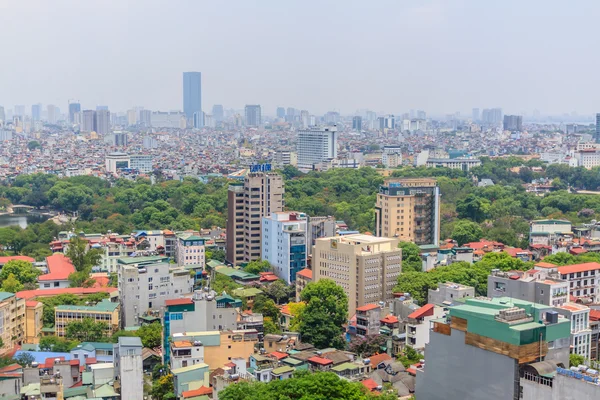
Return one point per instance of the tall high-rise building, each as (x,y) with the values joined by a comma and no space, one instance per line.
(131,117)
(2,114)
(74,109)
(102,124)
(597,133)
(280,112)
(285,243)
(475,115)
(316,145)
(192,96)
(36,112)
(513,123)
(290,114)
(146,118)
(261,194)
(52,114)
(492,116)
(252,115)
(19,111)
(357,123)
(304,119)
(409,209)
(365,266)
(88,120)
(218,113)
(100,108)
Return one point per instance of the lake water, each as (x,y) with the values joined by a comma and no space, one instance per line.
(21,220)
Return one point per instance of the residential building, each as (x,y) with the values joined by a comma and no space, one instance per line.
(418,325)
(36,112)
(320,227)
(391,157)
(145,119)
(583,279)
(366,267)
(168,119)
(409,209)
(480,348)
(513,123)
(368,319)
(128,369)
(141,162)
(315,146)
(261,194)
(284,243)
(285,157)
(464,164)
(218,113)
(102,122)
(553,381)
(12,321)
(252,115)
(131,117)
(189,249)
(538,286)
(34,312)
(280,112)
(116,161)
(547,232)
(588,158)
(74,110)
(597,132)
(94,351)
(303,278)
(357,123)
(88,119)
(146,283)
(59,268)
(192,96)
(105,311)
(447,293)
(581,333)
(192,376)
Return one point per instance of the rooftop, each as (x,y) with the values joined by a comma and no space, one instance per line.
(570,269)
(103,306)
(4,260)
(59,268)
(305,273)
(143,260)
(32,294)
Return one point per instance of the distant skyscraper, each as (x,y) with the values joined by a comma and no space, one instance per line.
(145,118)
(98,108)
(217,113)
(280,112)
(597,136)
(192,94)
(316,145)
(421,114)
(36,112)
(131,117)
(88,120)
(52,114)
(252,113)
(102,123)
(475,115)
(74,108)
(357,123)
(304,119)
(290,115)
(19,111)
(513,123)
(2,114)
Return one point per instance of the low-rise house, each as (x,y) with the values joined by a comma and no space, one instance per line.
(105,312)
(59,268)
(303,278)
(447,293)
(417,326)
(367,320)
(581,334)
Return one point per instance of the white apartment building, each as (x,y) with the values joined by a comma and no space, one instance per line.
(189,249)
(141,162)
(315,146)
(116,161)
(284,243)
(464,164)
(589,158)
(173,119)
(129,368)
(418,325)
(581,334)
(146,283)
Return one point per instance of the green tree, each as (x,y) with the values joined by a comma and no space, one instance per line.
(11,284)
(411,257)
(256,267)
(23,271)
(466,232)
(24,359)
(150,334)
(82,258)
(87,330)
(326,311)
(576,360)
(277,291)
(270,326)
(265,306)
(162,388)
(366,346)
(409,356)
(54,343)
(34,144)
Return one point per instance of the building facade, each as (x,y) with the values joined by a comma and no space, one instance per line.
(284,243)
(366,267)
(190,250)
(12,321)
(141,162)
(409,209)
(252,115)
(192,95)
(105,311)
(315,146)
(128,368)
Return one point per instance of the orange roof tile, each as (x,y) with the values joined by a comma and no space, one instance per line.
(179,302)
(201,391)
(370,384)
(305,273)
(379,358)
(4,260)
(320,360)
(278,355)
(182,343)
(390,319)
(368,307)
(425,311)
(543,264)
(569,269)
(59,268)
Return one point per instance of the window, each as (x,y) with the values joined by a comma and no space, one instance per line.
(176,316)
(56,284)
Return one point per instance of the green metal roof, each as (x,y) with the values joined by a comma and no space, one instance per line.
(347,366)
(249,292)
(98,345)
(236,273)
(552,221)
(103,306)
(283,370)
(292,361)
(6,295)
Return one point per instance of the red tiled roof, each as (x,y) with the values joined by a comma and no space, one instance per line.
(482,244)
(370,384)
(543,264)
(59,268)
(32,294)
(305,273)
(50,362)
(320,360)
(594,315)
(179,302)
(368,307)
(390,319)
(10,368)
(378,358)
(514,251)
(4,260)
(269,277)
(569,269)
(32,303)
(78,384)
(74,362)
(425,311)
(91,360)
(278,355)
(577,250)
(201,391)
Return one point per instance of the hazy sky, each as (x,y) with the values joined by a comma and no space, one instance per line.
(440,56)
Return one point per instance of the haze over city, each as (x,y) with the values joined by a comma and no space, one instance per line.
(388,56)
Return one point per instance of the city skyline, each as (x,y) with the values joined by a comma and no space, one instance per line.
(446,58)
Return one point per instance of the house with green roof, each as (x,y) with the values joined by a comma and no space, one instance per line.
(105,312)
(190,378)
(238,275)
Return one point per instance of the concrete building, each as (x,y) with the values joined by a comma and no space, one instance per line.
(368,319)
(418,325)
(538,286)
(392,156)
(597,132)
(34,312)
(357,123)
(513,123)
(553,381)
(12,321)
(131,117)
(189,249)
(105,311)
(88,119)
(447,293)
(261,194)
(409,209)
(128,368)
(320,227)
(192,97)
(252,115)
(145,118)
(547,231)
(303,278)
(141,163)
(146,283)
(315,146)
(581,333)
(285,157)
(479,352)
(366,267)
(74,110)
(464,164)
(102,123)
(171,119)
(284,243)
(116,161)
(59,268)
